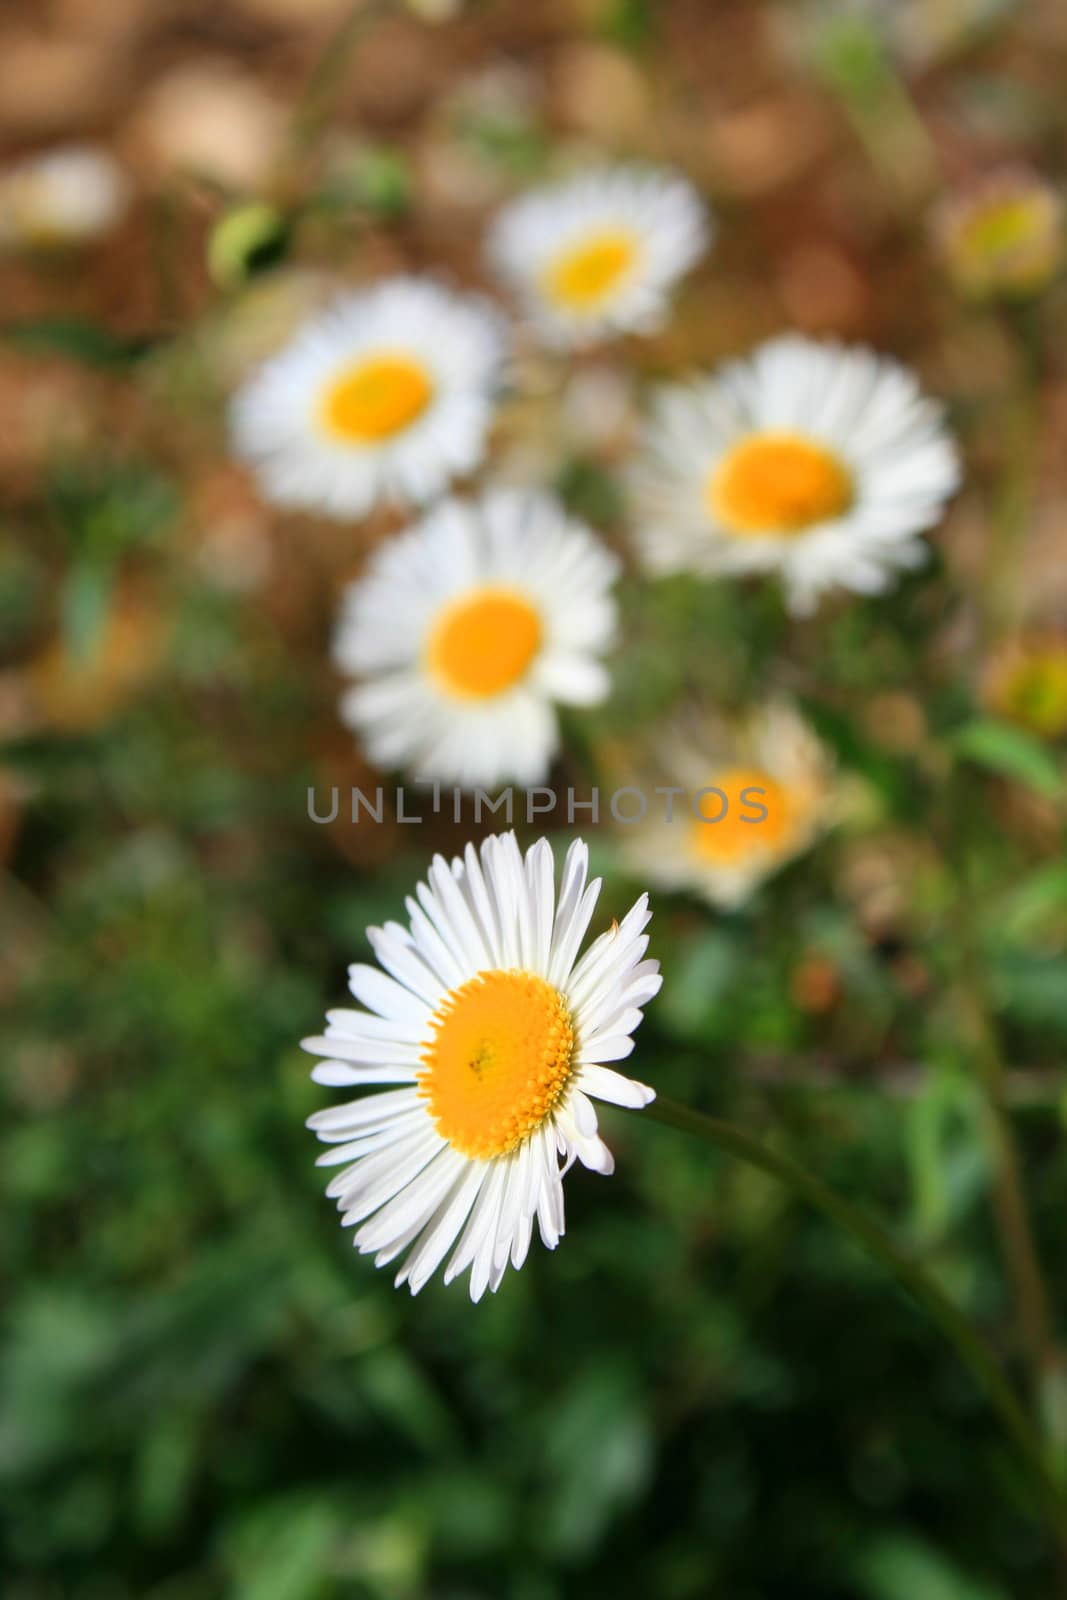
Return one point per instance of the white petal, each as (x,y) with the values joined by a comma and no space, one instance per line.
(383,995)
(617,1090)
(441,1230)
(372,1109)
(339,1075)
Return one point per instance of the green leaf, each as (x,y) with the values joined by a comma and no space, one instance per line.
(851,56)
(899,1567)
(84,607)
(166,1464)
(600,1454)
(706,970)
(589,491)
(945,1153)
(282,1549)
(108,507)
(628,23)
(86,342)
(1028,986)
(1011,753)
(405,1399)
(1039,901)
(377,178)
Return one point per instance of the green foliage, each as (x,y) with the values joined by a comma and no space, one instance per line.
(86,342)
(899,1568)
(214,1396)
(629,23)
(108,509)
(1007,750)
(851,55)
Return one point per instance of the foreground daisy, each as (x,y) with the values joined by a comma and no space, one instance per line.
(754,795)
(385,396)
(467,629)
(63,197)
(816,461)
(599,254)
(497,1037)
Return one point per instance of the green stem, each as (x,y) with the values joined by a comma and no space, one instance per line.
(1015,492)
(858,66)
(911,1277)
(1009,1202)
(981,1034)
(326,79)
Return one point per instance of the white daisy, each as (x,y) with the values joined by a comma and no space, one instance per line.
(66,196)
(467,629)
(1003,234)
(755,793)
(385,396)
(819,462)
(598,254)
(498,1038)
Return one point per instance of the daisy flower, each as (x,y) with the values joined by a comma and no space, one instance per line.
(66,196)
(598,254)
(755,794)
(816,461)
(465,632)
(1004,235)
(1026,681)
(385,396)
(498,1038)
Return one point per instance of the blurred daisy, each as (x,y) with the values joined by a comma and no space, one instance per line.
(598,255)
(498,1037)
(465,631)
(755,795)
(1003,236)
(385,396)
(821,463)
(1026,680)
(63,197)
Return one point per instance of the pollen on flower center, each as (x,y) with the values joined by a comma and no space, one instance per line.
(749,815)
(484,643)
(376,398)
(499,1059)
(774,483)
(584,276)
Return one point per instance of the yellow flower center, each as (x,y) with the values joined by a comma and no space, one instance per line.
(775,483)
(752,819)
(1002,226)
(1036,692)
(376,398)
(484,643)
(583,277)
(500,1058)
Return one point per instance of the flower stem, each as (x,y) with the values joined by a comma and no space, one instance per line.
(1014,494)
(980,1033)
(912,1278)
(325,81)
(1009,1203)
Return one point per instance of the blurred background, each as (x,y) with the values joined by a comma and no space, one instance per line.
(705,1392)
